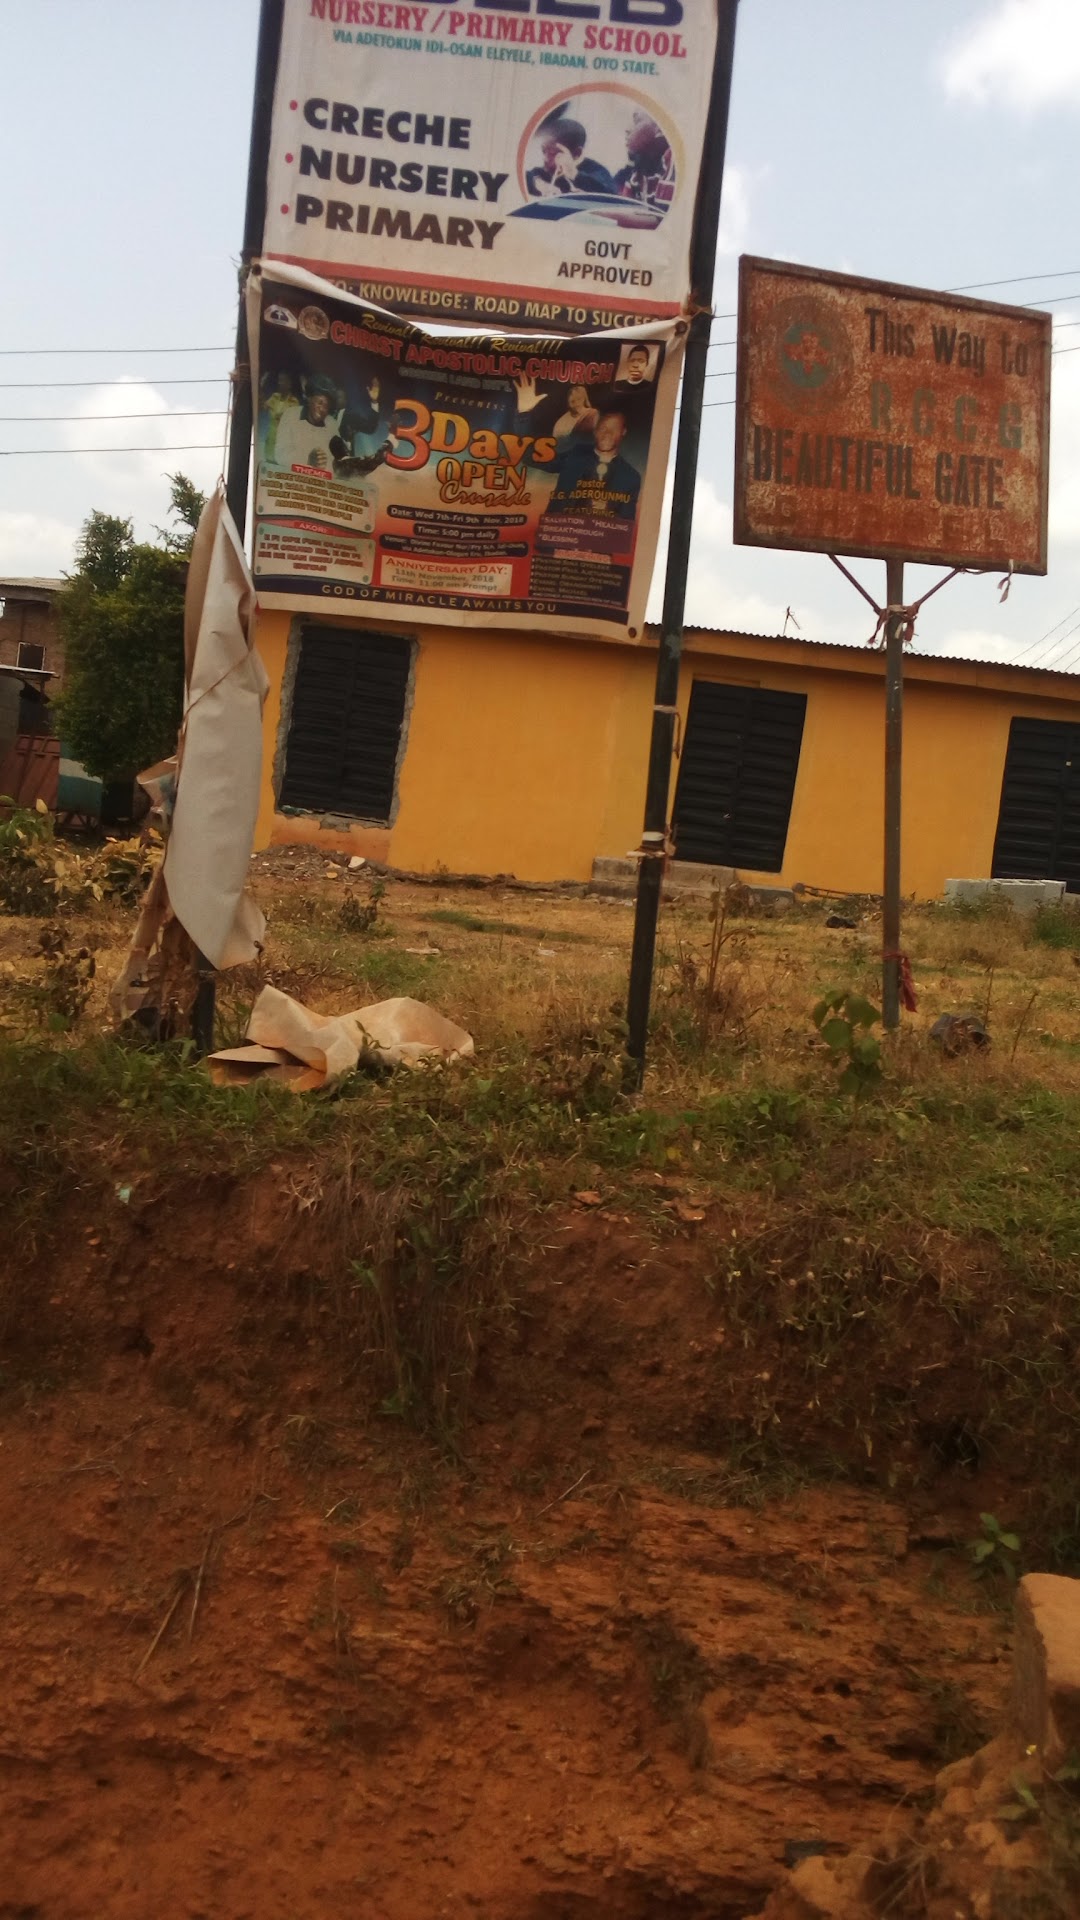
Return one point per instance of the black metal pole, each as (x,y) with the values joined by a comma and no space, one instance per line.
(702,268)
(894,730)
(242,407)
(242,416)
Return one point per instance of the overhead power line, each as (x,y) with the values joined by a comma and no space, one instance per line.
(1035,647)
(91,419)
(1064,661)
(1017,279)
(974,286)
(93,352)
(202,380)
(194,446)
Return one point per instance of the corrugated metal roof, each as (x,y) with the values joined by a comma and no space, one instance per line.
(842,646)
(30,583)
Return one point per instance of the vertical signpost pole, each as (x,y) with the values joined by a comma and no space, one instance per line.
(271,14)
(241,414)
(894,732)
(702,268)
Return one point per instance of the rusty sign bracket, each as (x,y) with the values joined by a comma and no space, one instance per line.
(906,614)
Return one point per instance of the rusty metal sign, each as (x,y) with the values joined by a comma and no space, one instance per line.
(875,419)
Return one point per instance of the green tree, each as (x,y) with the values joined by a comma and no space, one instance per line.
(122,618)
(103,550)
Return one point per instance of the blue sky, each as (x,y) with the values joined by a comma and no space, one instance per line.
(935,142)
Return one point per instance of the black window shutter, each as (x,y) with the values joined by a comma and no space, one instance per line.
(348,708)
(1038,832)
(737,775)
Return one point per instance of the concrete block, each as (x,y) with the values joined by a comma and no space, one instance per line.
(613,879)
(694,880)
(1046,1666)
(1024,896)
(684,880)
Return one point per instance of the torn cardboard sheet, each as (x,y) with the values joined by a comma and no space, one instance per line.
(305,1049)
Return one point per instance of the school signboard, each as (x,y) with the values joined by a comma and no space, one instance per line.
(531,164)
(879,420)
(475,478)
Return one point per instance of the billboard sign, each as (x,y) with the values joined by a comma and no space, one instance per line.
(875,419)
(479,479)
(531,164)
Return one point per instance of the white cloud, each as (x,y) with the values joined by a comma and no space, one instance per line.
(714,596)
(136,483)
(734,210)
(33,543)
(1020,53)
(971,643)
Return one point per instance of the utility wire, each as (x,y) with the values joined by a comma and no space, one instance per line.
(195,446)
(136,380)
(94,351)
(974,286)
(91,419)
(1033,644)
(1064,662)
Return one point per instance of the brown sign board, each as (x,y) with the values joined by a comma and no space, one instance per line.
(878,420)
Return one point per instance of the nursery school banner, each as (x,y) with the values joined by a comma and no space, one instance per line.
(502,479)
(532,163)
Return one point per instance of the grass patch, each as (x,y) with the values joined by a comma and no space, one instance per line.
(1057,927)
(884,1275)
(475,923)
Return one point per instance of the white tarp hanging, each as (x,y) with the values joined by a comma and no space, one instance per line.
(212,786)
(220,751)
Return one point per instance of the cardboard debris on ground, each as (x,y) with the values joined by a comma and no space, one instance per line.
(304,1049)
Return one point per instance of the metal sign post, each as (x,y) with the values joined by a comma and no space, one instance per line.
(894,740)
(241,411)
(653,849)
(893,423)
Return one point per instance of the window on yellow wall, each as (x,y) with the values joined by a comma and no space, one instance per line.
(737,775)
(346,723)
(1038,831)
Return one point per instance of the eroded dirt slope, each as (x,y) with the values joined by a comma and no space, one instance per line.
(532,1681)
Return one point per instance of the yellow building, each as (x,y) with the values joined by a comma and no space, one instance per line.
(423,746)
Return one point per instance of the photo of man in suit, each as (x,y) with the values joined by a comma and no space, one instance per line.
(593,476)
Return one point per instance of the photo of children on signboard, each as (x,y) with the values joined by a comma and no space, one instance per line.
(599,152)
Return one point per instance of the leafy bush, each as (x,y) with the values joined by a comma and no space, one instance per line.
(125,868)
(67,977)
(844,1021)
(359,911)
(37,874)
